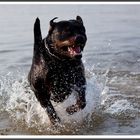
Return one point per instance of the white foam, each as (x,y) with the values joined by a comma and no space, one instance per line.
(120,106)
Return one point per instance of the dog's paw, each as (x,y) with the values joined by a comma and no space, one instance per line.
(55,121)
(72,109)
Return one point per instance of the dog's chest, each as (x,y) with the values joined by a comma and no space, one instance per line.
(62,79)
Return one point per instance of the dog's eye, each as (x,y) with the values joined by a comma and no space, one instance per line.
(66,32)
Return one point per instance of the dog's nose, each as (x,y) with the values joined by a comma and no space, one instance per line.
(79,39)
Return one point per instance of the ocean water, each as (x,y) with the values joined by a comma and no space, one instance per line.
(112,65)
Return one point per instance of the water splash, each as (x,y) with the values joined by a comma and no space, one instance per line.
(103,99)
(20,102)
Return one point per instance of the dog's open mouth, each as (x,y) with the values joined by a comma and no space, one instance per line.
(72,50)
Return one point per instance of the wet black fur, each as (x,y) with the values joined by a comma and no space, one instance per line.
(54,77)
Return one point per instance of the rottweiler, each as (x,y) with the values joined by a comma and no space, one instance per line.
(57,69)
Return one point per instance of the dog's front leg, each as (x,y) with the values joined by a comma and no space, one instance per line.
(52,113)
(80,103)
(47,105)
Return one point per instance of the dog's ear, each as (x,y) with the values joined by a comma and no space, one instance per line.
(52,24)
(79,19)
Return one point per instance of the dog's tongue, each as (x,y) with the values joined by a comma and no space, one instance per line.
(75,50)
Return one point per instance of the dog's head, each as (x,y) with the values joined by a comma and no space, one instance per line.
(66,39)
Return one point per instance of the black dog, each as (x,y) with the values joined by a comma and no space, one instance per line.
(57,68)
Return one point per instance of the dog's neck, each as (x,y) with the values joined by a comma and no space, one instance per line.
(48,50)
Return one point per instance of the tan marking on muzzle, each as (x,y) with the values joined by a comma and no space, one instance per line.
(63,43)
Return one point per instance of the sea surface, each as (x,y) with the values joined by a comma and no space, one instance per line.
(112,65)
